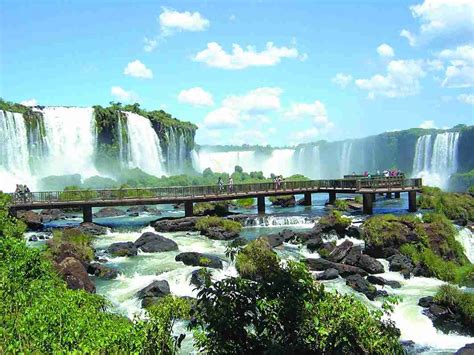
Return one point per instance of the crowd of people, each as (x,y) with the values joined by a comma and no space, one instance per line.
(385,173)
(278,182)
(22,193)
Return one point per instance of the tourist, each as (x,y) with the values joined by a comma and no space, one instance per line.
(231,184)
(220,184)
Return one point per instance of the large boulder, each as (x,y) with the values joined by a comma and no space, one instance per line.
(370,264)
(199,259)
(377,280)
(53,214)
(175,224)
(401,263)
(198,277)
(283,201)
(109,212)
(275,240)
(153,292)
(333,222)
(143,209)
(102,271)
(91,228)
(340,251)
(426,301)
(380,252)
(361,285)
(122,249)
(219,233)
(31,219)
(467,349)
(75,275)
(344,270)
(152,243)
(328,274)
(219,209)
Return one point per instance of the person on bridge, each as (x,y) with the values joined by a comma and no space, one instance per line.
(220,184)
(231,184)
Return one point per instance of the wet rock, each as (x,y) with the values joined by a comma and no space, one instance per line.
(219,209)
(358,283)
(134,214)
(354,232)
(439,311)
(153,292)
(275,240)
(463,222)
(380,252)
(422,270)
(369,264)
(467,349)
(283,201)
(109,212)
(90,228)
(122,249)
(31,219)
(75,275)
(175,224)
(343,269)
(328,274)
(326,248)
(330,223)
(425,302)
(199,259)
(198,277)
(353,256)
(377,280)
(152,243)
(53,214)
(219,233)
(401,263)
(33,238)
(136,210)
(102,271)
(314,244)
(340,251)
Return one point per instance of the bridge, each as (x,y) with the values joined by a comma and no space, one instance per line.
(87,199)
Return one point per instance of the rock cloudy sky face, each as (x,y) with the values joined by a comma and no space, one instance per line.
(256,72)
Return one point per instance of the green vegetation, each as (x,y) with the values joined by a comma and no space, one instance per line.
(72,241)
(342,205)
(358,199)
(461,181)
(471,190)
(59,182)
(218,208)
(9,227)
(277,199)
(285,311)
(458,301)
(204,223)
(245,202)
(452,205)
(335,217)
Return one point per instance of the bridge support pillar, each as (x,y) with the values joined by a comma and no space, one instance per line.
(332,197)
(397,194)
(388,195)
(368,203)
(374,197)
(261,204)
(307,199)
(188,208)
(87,214)
(412,201)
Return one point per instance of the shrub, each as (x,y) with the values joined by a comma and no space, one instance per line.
(342,205)
(245,202)
(358,199)
(256,259)
(204,223)
(452,205)
(73,242)
(457,301)
(335,217)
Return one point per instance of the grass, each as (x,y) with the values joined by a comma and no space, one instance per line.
(256,259)
(76,243)
(452,205)
(245,202)
(458,301)
(204,223)
(335,217)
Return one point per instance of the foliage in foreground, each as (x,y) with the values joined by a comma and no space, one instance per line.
(452,205)
(457,301)
(286,311)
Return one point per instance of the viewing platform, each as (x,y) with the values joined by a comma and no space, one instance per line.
(87,199)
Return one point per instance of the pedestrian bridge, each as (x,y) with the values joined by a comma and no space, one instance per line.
(86,199)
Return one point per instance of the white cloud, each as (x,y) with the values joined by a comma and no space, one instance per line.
(138,70)
(172,20)
(316,111)
(402,79)
(196,96)
(441,17)
(29,103)
(342,79)
(384,50)
(434,65)
(215,56)
(222,117)
(150,44)
(255,101)
(305,135)
(466,98)
(460,70)
(427,124)
(122,94)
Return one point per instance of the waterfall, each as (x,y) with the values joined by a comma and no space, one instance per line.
(278,221)
(436,160)
(307,161)
(176,154)
(144,145)
(466,239)
(345,159)
(225,162)
(124,152)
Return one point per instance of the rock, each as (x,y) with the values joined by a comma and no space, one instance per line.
(197,278)
(54,214)
(352,258)
(380,252)
(219,233)
(90,228)
(358,283)
(439,311)
(283,201)
(109,212)
(425,302)
(136,210)
(377,280)
(381,293)
(340,251)
(102,271)
(370,264)
(331,222)
(353,205)
(422,270)
(467,349)
(463,222)
(275,239)
(31,219)
(122,249)
(328,274)
(33,238)
(153,292)
(75,275)
(326,248)
(152,243)
(199,259)
(314,243)
(175,224)
(343,269)
(354,232)
(134,214)
(401,263)
(66,249)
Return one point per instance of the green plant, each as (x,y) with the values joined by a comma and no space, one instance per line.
(457,301)
(70,242)
(256,260)
(342,205)
(204,223)
(245,202)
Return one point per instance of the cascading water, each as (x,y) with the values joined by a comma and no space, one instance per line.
(225,161)
(345,159)
(278,221)
(144,145)
(176,154)
(436,160)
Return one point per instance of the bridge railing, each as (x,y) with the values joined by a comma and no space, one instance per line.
(388,183)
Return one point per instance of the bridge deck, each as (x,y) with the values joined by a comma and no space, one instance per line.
(164,195)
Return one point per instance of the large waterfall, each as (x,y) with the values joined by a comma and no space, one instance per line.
(176,155)
(435,160)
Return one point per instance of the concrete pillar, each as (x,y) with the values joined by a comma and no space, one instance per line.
(87,214)
(388,195)
(374,197)
(332,197)
(261,204)
(412,201)
(397,194)
(368,203)
(188,208)
(307,199)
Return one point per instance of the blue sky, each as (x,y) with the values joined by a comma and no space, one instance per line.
(257,72)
